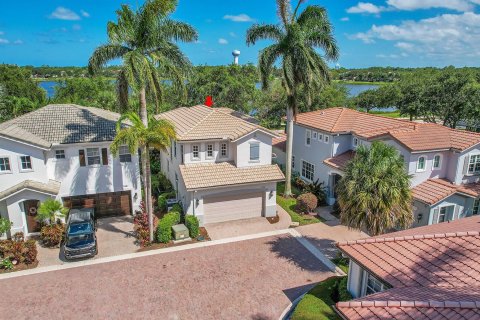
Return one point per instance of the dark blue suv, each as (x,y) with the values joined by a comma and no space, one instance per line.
(80,238)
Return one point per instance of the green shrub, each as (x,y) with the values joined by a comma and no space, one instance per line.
(165,184)
(318,189)
(162,203)
(177,208)
(5,226)
(343,293)
(6,264)
(164,228)
(192,224)
(30,253)
(52,235)
(307,202)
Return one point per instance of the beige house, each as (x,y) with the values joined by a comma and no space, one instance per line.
(221,165)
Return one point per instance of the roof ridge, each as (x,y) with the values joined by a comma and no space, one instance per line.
(338,119)
(410,304)
(202,120)
(407,238)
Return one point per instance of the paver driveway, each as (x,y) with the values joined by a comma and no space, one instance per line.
(252,279)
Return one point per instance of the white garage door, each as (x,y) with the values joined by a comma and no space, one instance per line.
(232,207)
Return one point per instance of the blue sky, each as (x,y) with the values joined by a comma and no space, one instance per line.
(406,33)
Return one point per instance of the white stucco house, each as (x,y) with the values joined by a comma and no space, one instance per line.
(444,163)
(62,152)
(221,165)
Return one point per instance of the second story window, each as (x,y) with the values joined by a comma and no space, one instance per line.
(59,154)
(224,150)
(326,139)
(25,163)
(254,151)
(474,164)
(308,170)
(373,285)
(196,152)
(437,161)
(124,154)
(308,137)
(421,163)
(209,150)
(93,156)
(5,165)
(476,207)
(355,142)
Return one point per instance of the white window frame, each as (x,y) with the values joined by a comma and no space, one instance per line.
(197,158)
(320,136)
(355,142)
(375,281)
(99,156)
(250,156)
(476,207)
(308,137)
(207,156)
(477,162)
(440,158)
(124,154)
(9,164)
(446,213)
(314,135)
(60,152)
(326,138)
(222,149)
(304,170)
(424,164)
(20,163)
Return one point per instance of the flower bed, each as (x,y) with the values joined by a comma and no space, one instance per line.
(17,254)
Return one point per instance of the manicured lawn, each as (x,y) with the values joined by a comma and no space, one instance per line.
(317,303)
(392,114)
(289,204)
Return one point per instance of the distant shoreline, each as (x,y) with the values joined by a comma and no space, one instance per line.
(373,83)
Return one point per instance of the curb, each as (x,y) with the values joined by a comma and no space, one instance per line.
(291,307)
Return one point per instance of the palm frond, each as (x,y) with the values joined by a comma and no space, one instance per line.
(284,11)
(177,31)
(104,54)
(264,32)
(266,61)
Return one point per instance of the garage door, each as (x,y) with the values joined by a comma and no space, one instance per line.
(232,207)
(105,204)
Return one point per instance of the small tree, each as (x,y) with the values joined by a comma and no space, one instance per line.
(5,226)
(375,191)
(50,210)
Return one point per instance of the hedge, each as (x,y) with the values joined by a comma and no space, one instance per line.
(192,224)
(162,203)
(164,227)
(177,208)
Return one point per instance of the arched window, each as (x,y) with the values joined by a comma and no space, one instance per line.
(437,162)
(421,163)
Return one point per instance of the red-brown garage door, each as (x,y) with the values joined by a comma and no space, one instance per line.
(105,204)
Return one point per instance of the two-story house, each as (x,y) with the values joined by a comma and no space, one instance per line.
(444,163)
(62,152)
(221,165)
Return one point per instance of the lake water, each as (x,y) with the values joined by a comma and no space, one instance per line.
(353,89)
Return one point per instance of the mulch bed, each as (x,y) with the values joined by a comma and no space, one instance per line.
(273,220)
(203,233)
(20,267)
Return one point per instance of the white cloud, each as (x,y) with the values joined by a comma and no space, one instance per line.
(85,13)
(345,19)
(366,7)
(452,35)
(63,13)
(18,42)
(410,5)
(222,41)
(239,18)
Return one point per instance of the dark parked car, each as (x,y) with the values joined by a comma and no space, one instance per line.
(80,238)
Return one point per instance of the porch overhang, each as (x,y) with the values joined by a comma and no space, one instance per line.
(52,188)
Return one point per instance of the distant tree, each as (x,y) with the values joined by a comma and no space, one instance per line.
(91,92)
(374,194)
(295,41)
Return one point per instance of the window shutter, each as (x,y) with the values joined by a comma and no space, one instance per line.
(81,157)
(435,215)
(465,164)
(104,156)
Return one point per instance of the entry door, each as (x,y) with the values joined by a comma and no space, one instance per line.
(31,207)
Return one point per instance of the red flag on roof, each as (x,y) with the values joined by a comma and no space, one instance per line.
(209,101)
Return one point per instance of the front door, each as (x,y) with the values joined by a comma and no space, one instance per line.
(31,207)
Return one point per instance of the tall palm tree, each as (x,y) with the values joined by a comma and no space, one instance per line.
(295,39)
(145,41)
(157,134)
(374,194)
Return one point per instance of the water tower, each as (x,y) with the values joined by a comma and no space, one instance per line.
(235,54)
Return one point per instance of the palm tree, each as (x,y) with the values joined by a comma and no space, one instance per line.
(145,41)
(157,134)
(303,69)
(374,194)
(50,210)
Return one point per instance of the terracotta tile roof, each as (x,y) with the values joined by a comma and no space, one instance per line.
(52,187)
(238,114)
(431,274)
(207,175)
(432,191)
(414,136)
(204,123)
(280,142)
(62,124)
(340,162)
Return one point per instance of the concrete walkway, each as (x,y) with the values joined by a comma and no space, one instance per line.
(114,237)
(223,230)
